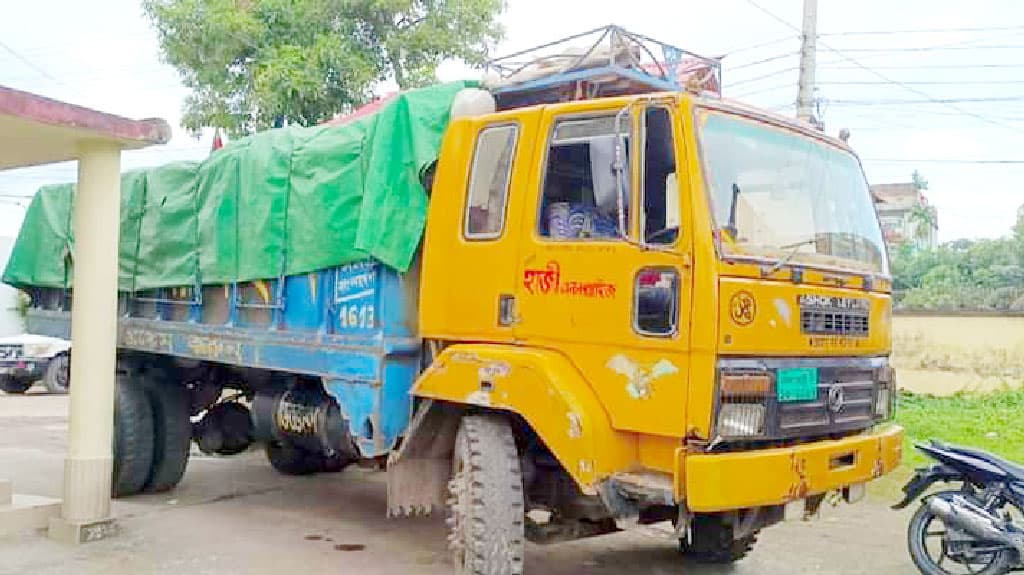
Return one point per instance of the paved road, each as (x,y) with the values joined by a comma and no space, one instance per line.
(237,516)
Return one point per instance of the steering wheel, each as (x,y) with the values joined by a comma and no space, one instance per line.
(662,232)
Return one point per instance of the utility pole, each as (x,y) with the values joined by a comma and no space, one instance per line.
(808,49)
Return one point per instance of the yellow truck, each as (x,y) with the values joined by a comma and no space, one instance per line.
(635,302)
(657,307)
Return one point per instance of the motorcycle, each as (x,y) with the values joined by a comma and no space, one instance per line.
(977,529)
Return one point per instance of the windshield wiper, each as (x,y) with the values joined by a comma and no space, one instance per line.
(731,225)
(795,247)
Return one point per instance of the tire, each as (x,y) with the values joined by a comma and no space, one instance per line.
(291,460)
(916,535)
(172,430)
(14,385)
(486,510)
(711,541)
(335,463)
(57,378)
(133,438)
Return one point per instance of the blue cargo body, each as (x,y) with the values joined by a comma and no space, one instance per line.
(353,326)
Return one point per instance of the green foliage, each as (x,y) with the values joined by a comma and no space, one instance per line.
(1018,228)
(988,421)
(961,275)
(253,64)
(21,304)
(925,218)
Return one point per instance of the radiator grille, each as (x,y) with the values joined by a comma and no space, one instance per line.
(845,401)
(10,351)
(853,323)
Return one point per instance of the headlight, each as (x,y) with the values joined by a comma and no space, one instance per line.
(882,402)
(885,398)
(743,397)
(37,350)
(741,420)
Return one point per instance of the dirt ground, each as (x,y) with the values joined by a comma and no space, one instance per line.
(237,516)
(945,354)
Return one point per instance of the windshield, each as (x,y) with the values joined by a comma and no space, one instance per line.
(780,195)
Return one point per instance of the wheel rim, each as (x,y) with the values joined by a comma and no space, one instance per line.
(945,555)
(63,372)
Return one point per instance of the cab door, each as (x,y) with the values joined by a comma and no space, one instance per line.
(604,267)
(471,239)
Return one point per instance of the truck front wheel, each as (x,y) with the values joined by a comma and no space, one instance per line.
(711,540)
(486,508)
(11,384)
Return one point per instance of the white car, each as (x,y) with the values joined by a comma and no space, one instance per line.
(27,358)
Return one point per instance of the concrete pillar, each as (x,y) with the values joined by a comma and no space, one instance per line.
(87,470)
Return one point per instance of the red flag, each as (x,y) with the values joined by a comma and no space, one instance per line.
(217,142)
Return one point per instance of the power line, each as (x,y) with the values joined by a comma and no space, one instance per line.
(961,43)
(762,76)
(896,110)
(749,47)
(764,61)
(924,31)
(939,161)
(944,101)
(934,48)
(762,90)
(924,83)
(30,64)
(929,67)
(888,79)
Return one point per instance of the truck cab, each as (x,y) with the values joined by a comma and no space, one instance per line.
(670,294)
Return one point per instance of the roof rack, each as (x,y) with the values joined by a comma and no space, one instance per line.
(606,61)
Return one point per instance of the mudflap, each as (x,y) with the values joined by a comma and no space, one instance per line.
(923,478)
(418,471)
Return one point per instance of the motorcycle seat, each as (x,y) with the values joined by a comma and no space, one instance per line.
(1014,470)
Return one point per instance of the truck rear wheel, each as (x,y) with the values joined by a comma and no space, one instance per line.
(172,430)
(486,508)
(711,541)
(14,385)
(58,375)
(133,438)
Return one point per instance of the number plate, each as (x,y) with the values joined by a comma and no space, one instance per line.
(797,384)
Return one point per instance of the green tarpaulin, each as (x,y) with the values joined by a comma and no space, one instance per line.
(286,201)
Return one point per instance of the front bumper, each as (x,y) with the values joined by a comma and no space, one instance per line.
(757,478)
(23,368)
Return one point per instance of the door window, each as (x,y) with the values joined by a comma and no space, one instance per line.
(660,219)
(582,179)
(656,303)
(489,181)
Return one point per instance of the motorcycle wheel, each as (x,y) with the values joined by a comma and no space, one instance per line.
(926,541)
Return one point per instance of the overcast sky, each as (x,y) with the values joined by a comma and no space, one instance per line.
(103,54)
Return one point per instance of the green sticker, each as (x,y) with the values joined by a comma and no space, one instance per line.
(797,384)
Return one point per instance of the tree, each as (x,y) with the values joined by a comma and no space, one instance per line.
(924,219)
(254,64)
(413,36)
(1018,228)
(919,182)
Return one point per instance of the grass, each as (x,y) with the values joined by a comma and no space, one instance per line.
(990,421)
